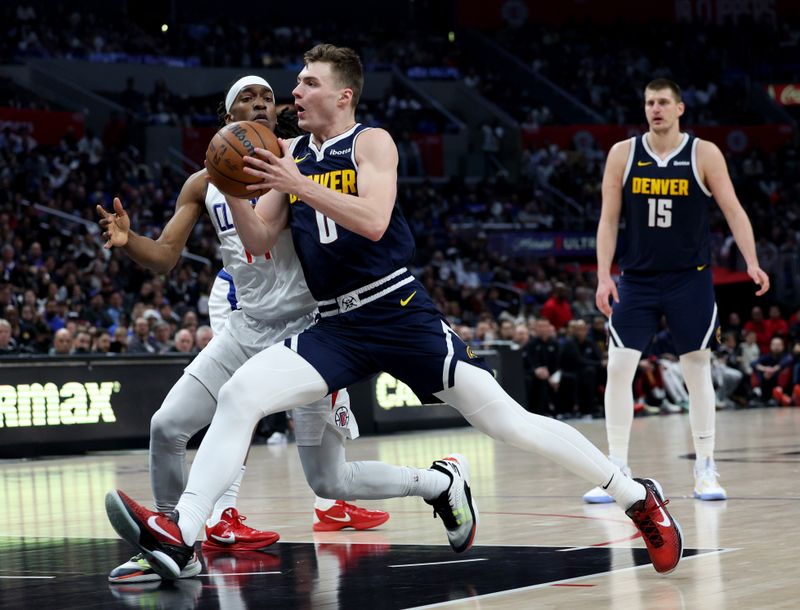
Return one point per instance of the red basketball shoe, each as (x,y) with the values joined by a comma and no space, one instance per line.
(780,396)
(231,534)
(662,534)
(796,395)
(156,534)
(342,515)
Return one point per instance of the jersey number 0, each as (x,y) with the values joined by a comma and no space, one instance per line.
(327,229)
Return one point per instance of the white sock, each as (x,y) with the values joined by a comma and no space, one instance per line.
(696,368)
(427,483)
(323,504)
(192,510)
(227,500)
(622,364)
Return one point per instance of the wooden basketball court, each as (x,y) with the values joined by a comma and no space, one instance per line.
(538,545)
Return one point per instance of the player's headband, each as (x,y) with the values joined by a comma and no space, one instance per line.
(240,84)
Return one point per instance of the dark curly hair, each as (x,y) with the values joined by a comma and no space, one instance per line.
(286,126)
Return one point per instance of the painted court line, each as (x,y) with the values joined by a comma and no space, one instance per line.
(437,563)
(26,577)
(237,574)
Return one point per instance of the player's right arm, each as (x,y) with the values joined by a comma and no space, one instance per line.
(609,224)
(258,227)
(162,254)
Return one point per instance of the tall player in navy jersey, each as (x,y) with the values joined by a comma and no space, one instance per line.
(663,184)
(337,187)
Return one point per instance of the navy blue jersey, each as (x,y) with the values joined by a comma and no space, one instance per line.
(335,260)
(666,208)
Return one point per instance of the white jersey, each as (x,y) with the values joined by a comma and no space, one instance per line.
(268,286)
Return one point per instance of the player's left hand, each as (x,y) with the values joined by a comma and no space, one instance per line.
(279,173)
(759,277)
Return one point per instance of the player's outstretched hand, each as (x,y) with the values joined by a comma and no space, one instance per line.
(115,226)
(760,278)
(606,288)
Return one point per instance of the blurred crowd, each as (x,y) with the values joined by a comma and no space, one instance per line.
(62,293)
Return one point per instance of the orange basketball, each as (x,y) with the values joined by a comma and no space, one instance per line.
(224,156)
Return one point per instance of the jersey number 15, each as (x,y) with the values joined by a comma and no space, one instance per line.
(659,213)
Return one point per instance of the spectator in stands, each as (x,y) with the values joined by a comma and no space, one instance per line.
(522,336)
(769,369)
(409,162)
(203,336)
(758,325)
(584,306)
(184,343)
(142,342)
(733,325)
(162,334)
(82,343)
(749,352)
(120,343)
(62,343)
(90,147)
(579,363)
(541,363)
(97,313)
(102,343)
(725,370)
(776,325)
(8,345)
(557,308)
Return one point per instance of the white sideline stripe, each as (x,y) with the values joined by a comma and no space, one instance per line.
(28,577)
(437,563)
(479,598)
(236,574)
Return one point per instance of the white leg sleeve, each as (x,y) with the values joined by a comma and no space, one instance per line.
(187,408)
(485,405)
(274,380)
(702,401)
(622,364)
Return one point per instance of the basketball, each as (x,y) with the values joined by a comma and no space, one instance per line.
(224,156)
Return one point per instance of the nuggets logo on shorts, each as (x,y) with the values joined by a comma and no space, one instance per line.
(342,417)
(718,334)
(470,353)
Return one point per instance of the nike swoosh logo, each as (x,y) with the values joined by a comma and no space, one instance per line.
(301,159)
(644,163)
(701,267)
(404,302)
(344,519)
(152,523)
(231,538)
(666,522)
(609,482)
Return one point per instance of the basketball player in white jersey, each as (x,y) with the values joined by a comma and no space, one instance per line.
(271,302)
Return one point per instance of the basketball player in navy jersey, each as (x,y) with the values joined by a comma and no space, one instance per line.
(336,188)
(271,290)
(663,184)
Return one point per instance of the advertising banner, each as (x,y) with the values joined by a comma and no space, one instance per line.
(51,405)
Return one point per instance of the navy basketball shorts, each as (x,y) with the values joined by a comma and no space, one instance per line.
(685,298)
(401,333)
